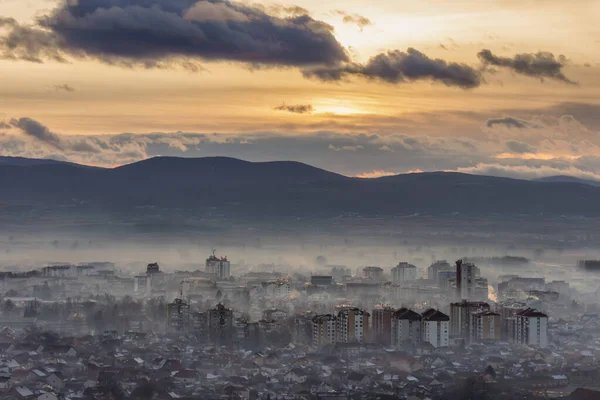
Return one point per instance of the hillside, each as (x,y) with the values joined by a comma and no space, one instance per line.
(237,188)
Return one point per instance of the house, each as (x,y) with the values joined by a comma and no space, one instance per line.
(358,380)
(56,382)
(47,396)
(295,375)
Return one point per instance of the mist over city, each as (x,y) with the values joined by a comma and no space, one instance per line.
(299,200)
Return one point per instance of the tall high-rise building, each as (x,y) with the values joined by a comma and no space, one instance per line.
(220,325)
(383,319)
(220,267)
(531,328)
(407,327)
(352,325)
(485,326)
(323,330)
(460,317)
(178,315)
(465,280)
(198,322)
(404,273)
(439,266)
(303,328)
(435,328)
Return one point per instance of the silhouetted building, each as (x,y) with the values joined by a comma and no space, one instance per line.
(220,324)
(220,267)
(178,314)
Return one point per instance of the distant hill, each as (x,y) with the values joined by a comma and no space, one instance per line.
(22,161)
(568,179)
(233,188)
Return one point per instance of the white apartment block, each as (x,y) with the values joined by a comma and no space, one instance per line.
(531,328)
(404,273)
(435,328)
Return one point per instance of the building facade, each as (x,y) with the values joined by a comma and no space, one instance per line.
(435,328)
(352,326)
(404,273)
(531,328)
(219,267)
(407,327)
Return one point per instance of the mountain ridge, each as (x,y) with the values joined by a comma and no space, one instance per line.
(236,188)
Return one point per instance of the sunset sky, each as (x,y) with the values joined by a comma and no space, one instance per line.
(363,88)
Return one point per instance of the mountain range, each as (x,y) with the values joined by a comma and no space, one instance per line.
(233,188)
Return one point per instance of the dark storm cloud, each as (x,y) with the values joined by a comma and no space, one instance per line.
(297,108)
(356,19)
(540,65)
(36,130)
(397,66)
(520,147)
(510,122)
(154,32)
(41,133)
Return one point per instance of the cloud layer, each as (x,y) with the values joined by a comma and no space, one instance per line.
(539,145)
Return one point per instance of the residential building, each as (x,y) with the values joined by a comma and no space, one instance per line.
(465,280)
(485,326)
(220,324)
(303,328)
(352,325)
(435,328)
(373,273)
(404,273)
(178,315)
(323,330)
(531,328)
(407,327)
(198,323)
(460,317)
(437,267)
(219,267)
(383,319)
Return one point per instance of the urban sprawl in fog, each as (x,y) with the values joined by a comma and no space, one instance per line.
(231,331)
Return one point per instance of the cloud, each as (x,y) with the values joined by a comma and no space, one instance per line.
(538,65)
(356,19)
(346,148)
(520,147)
(375,174)
(397,67)
(85,149)
(510,122)
(4,125)
(159,33)
(527,172)
(297,108)
(34,129)
(65,88)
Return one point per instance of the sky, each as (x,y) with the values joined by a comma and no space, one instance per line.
(363,88)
